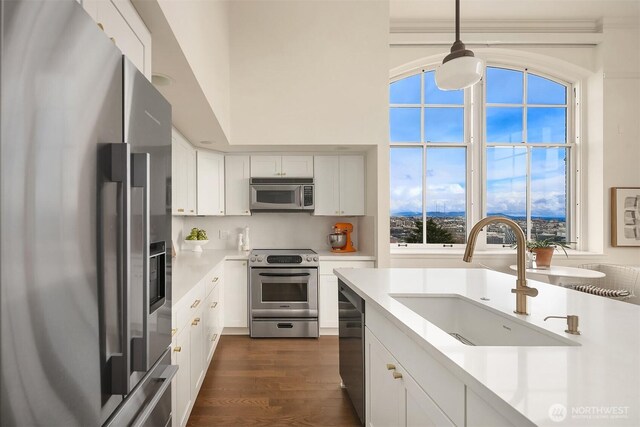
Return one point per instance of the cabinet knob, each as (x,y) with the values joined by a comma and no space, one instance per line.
(221,211)
(397,375)
(214,337)
(246,211)
(173,331)
(283,173)
(215,279)
(190,210)
(195,303)
(181,210)
(177,349)
(342,212)
(391,367)
(195,321)
(337,212)
(101,26)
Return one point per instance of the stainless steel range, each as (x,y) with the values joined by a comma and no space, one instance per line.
(283,293)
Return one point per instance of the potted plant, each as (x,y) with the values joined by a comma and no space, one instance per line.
(544,248)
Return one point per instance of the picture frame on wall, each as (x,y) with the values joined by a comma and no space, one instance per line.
(625,216)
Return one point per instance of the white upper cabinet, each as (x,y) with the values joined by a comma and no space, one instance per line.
(237,174)
(266,166)
(339,185)
(183,172)
(210,183)
(282,166)
(122,24)
(297,166)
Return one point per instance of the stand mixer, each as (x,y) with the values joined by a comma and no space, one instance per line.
(340,239)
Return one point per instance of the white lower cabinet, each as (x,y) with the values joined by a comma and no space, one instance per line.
(235,294)
(393,396)
(182,380)
(197,324)
(328,301)
(328,293)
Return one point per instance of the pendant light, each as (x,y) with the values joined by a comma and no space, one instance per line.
(460,69)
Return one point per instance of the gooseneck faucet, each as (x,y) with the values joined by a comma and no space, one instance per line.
(521,290)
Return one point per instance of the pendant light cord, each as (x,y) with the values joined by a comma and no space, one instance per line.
(457,20)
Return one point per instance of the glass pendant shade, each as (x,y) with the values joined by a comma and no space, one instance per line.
(460,69)
(459,73)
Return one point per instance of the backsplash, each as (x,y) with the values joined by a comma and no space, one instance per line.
(267,230)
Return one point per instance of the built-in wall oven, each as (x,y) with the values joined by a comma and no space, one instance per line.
(283,294)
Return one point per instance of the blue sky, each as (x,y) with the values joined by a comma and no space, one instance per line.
(506,167)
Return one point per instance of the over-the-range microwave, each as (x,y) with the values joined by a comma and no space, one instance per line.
(281,194)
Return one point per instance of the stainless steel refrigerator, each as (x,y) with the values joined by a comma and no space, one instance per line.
(85,226)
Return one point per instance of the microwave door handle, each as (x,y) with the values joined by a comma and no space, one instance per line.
(140,179)
(300,198)
(119,171)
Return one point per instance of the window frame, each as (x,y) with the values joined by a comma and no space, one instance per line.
(423,145)
(474,107)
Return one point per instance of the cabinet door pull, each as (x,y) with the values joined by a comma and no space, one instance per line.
(391,367)
(215,337)
(177,349)
(181,210)
(195,303)
(195,321)
(214,305)
(397,375)
(173,331)
(215,279)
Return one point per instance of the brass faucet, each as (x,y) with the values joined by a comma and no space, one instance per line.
(521,290)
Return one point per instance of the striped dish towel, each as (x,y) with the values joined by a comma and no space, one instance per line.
(603,292)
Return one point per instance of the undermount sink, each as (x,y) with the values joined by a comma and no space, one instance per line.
(473,323)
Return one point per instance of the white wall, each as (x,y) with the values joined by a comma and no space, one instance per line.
(309,72)
(611,131)
(269,230)
(202,31)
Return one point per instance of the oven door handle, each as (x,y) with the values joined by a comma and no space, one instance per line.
(284,274)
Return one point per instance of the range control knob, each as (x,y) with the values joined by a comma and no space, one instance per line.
(253,259)
(308,258)
(315,258)
(260,259)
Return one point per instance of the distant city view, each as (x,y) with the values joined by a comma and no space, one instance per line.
(450,227)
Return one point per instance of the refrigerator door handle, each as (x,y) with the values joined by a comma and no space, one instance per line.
(165,378)
(119,172)
(140,178)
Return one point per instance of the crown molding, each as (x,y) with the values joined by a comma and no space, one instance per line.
(498,26)
(497,39)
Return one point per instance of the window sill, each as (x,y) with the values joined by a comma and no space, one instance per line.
(479,253)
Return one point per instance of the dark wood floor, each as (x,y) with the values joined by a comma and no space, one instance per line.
(273,382)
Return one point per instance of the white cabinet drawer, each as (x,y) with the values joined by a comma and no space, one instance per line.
(214,279)
(189,304)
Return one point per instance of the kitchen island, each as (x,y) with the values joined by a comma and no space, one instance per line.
(587,379)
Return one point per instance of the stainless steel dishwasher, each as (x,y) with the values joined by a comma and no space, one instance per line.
(351,343)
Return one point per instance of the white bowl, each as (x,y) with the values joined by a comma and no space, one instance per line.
(196,244)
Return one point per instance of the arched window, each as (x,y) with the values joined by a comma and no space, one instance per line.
(503,147)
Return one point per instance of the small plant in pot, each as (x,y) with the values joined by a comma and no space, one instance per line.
(544,250)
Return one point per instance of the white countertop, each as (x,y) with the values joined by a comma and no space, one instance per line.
(188,268)
(191,267)
(327,255)
(604,372)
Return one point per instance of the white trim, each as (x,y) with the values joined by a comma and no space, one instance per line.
(501,25)
(497,39)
